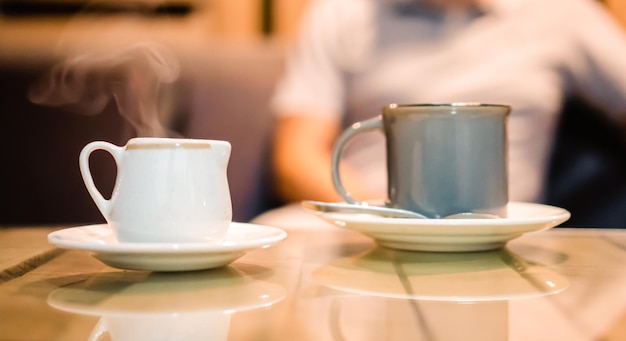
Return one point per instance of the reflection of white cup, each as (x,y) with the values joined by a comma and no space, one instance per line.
(173,326)
(166,190)
(195,305)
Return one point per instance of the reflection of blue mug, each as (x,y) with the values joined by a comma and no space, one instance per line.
(442,159)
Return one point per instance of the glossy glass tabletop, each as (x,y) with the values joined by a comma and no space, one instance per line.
(324,284)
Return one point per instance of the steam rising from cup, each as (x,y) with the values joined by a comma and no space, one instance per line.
(131,77)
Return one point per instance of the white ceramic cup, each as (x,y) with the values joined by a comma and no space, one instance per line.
(166,190)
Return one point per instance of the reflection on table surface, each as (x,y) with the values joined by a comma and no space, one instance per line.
(327,284)
(427,276)
(193,305)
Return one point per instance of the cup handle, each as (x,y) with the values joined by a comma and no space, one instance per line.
(102,203)
(372,124)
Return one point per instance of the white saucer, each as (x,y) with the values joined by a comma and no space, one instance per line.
(452,235)
(99,239)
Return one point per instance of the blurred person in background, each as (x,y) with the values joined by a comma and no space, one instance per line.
(353,57)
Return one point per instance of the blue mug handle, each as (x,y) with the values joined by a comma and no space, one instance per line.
(372,124)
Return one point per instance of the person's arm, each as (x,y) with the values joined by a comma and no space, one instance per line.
(302,150)
(301,160)
(309,101)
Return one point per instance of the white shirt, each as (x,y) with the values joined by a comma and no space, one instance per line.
(354,56)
